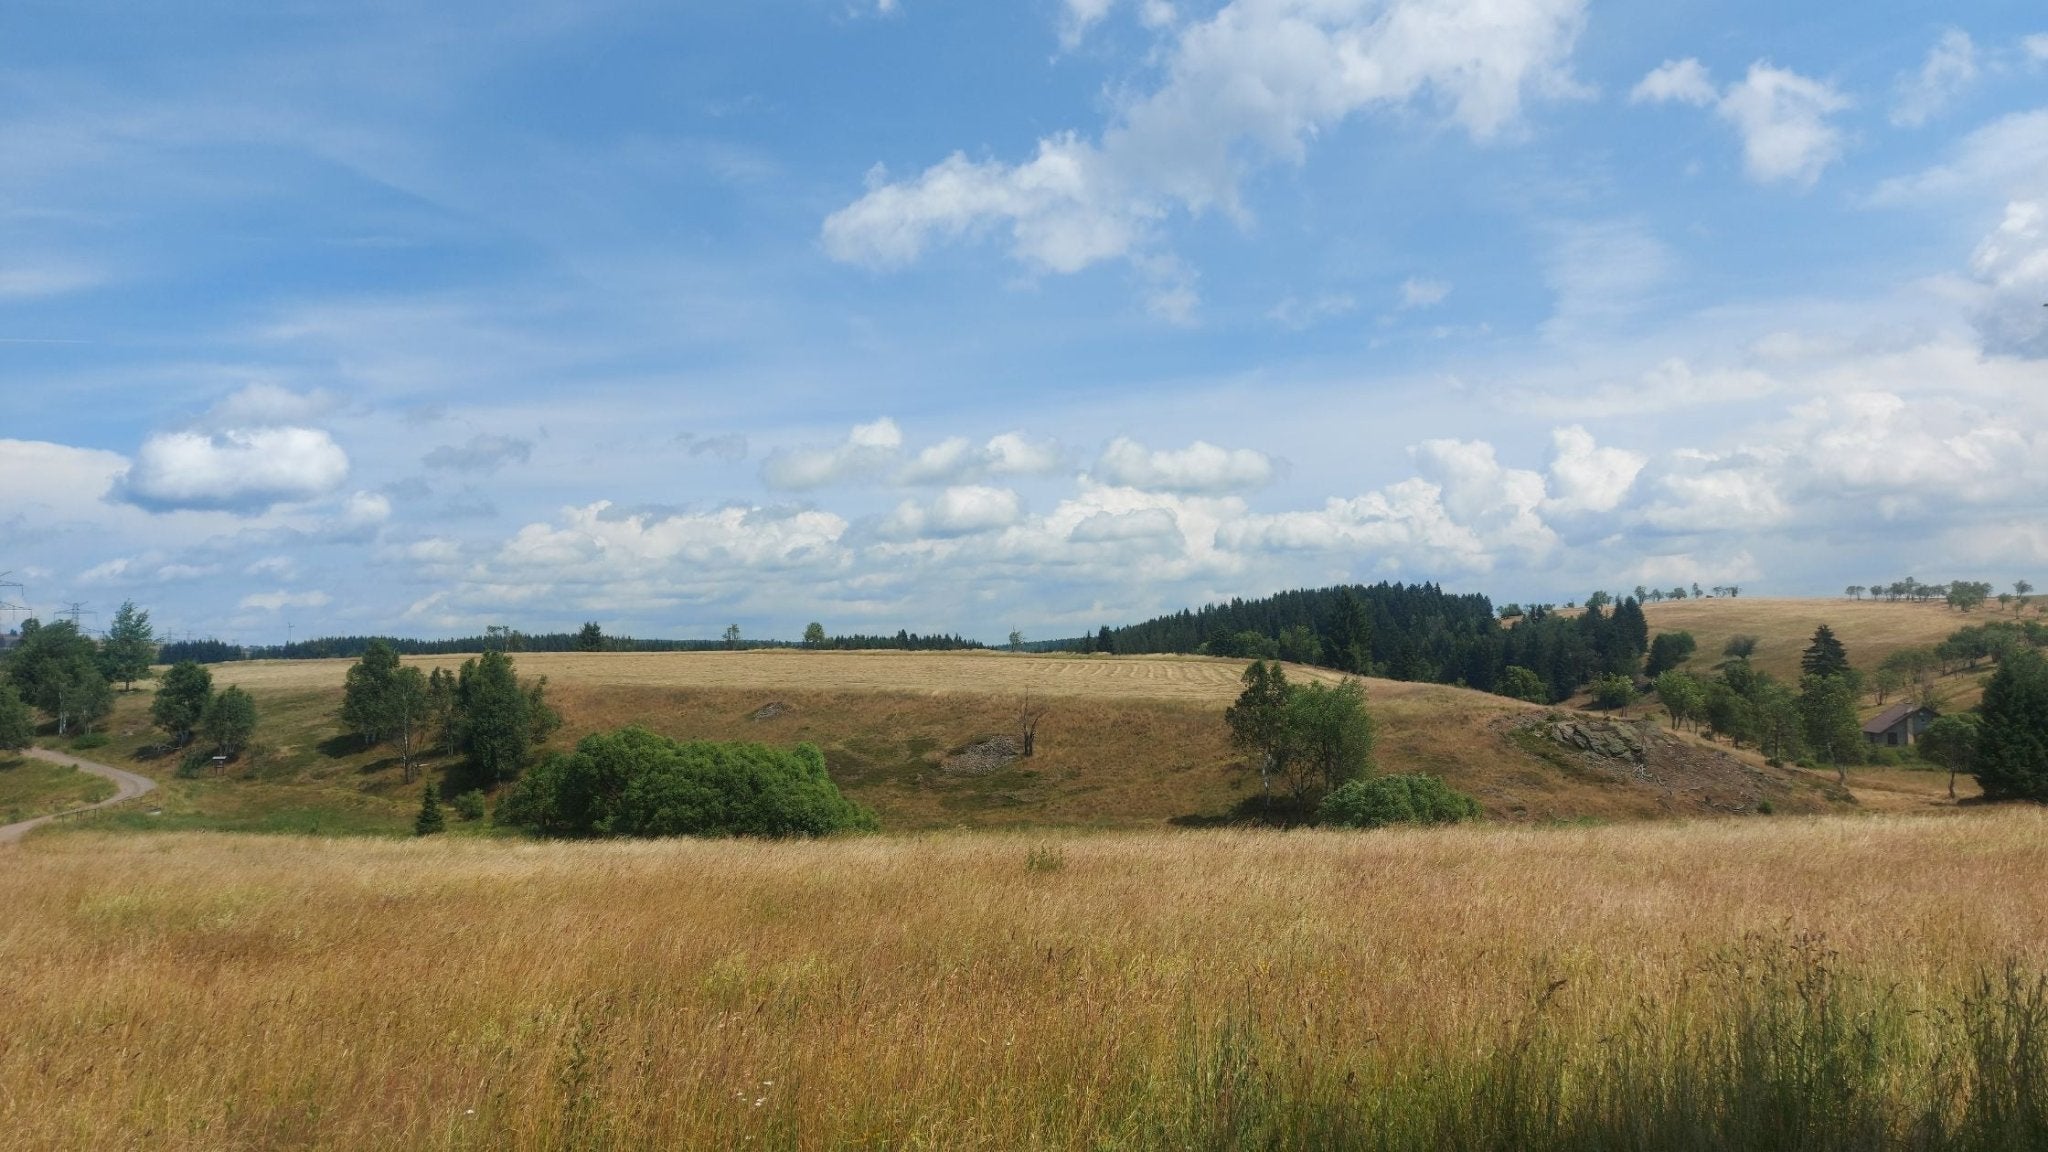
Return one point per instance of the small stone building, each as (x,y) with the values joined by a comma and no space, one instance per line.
(1898,725)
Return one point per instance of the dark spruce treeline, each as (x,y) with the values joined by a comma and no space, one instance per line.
(1402,632)
(353,647)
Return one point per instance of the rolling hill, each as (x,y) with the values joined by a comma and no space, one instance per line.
(1126,742)
(1870,630)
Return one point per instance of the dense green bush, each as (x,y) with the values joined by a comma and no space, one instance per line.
(634,783)
(469,805)
(1382,800)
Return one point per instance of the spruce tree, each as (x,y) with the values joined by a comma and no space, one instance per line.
(1825,656)
(430,820)
(2012,744)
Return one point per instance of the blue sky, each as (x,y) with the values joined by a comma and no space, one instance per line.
(415,318)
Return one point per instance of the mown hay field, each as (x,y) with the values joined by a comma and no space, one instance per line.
(1195,679)
(1816,983)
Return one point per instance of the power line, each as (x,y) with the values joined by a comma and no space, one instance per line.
(5,606)
(75,609)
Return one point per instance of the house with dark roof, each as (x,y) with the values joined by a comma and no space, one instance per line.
(1898,725)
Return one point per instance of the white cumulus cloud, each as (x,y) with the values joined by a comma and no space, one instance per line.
(1782,117)
(959,511)
(1201,467)
(2012,265)
(1676,81)
(1585,477)
(870,449)
(876,452)
(238,470)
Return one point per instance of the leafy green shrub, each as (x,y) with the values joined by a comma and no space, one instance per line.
(634,783)
(90,741)
(1383,800)
(469,805)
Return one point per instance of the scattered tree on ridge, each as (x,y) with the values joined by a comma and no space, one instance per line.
(1684,697)
(1614,693)
(366,695)
(229,722)
(1667,651)
(386,700)
(1312,737)
(1968,595)
(1329,736)
(410,715)
(56,668)
(130,646)
(181,701)
(814,635)
(1827,706)
(1258,721)
(1951,742)
(1779,724)
(1521,683)
(498,720)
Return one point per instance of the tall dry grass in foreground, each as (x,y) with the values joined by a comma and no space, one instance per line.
(1761,984)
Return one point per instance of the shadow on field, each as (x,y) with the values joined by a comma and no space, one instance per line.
(1254,811)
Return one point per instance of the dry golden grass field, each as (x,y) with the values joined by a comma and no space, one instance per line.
(1813,983)
(1869,629)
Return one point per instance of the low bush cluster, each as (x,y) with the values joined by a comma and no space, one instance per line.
(633,782)
(1399,799)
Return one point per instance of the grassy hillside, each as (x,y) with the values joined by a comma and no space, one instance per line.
(1127,741)
(1656,986)
(1870,630)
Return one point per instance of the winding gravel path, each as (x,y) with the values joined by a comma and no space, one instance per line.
(127,786)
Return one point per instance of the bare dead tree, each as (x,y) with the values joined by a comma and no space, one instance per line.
(1029,712)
